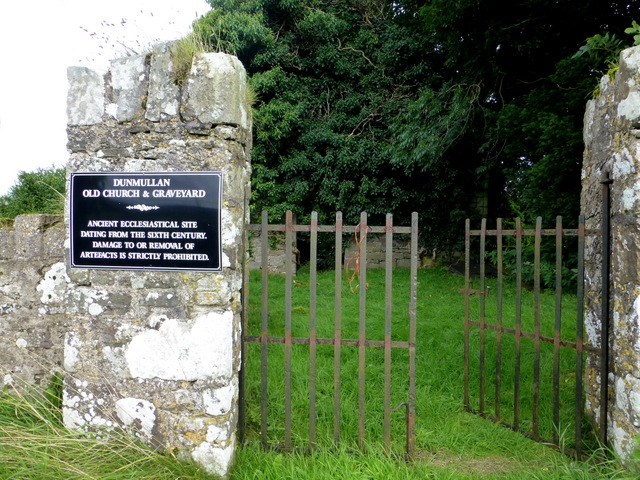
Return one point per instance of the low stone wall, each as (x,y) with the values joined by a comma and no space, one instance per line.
(277,257)
(157,352)
(376,252)
(32,330)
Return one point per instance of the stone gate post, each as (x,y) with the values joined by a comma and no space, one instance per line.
(154,331)
(612,147)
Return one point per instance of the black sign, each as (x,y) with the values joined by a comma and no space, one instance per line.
(149,221)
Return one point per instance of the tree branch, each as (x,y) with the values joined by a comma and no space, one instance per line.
(341,48)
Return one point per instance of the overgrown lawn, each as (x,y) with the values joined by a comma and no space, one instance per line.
(451,443)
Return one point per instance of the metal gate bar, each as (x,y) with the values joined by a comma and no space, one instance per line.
(288,293)
(536,340)
(313,285)
(388,294)
(264,332)
(518,333)
(337,329)
(556,331)
(579,339)
(362,327)
(362,343)
(499,259)
(483,234)
(413,327)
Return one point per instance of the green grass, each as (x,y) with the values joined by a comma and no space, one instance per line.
(567,361)
(451,443)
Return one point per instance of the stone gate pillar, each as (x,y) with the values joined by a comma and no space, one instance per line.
(156,351)
(612,144)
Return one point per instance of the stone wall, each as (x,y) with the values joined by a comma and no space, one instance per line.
(32,331)
(154,352)
(277,256)
(159,352)
(376,252)
(611,135)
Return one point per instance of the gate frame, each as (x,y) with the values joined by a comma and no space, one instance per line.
(362,229)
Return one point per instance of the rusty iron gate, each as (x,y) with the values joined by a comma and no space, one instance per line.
(335,346)
(540,351)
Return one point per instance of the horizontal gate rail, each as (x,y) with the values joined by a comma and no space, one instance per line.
(361,344)
(328,341)
(490,358)
(532,336)
(271,227)
(530,232)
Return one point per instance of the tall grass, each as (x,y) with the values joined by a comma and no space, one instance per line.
(34,445)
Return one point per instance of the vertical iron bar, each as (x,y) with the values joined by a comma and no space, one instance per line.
(362,329)
(499,320)
(387,329)
(243,344)
(264,251)
(483,235)
(518,333)
(467,308)
(312,326)
(337,346)
(536,339)
(556,334)
(606,267)
(411,414)
(287,328)
(579,337)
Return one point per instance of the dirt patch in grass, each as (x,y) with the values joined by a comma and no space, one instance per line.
(481,466)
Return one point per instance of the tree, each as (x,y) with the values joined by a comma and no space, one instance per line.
(416,105)
(531,90)
(332,79)
(42,191)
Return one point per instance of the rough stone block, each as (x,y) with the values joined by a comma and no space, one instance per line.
(187,351)
(128,83)
(164,93)
(159,298)
(215,91)
(85,100)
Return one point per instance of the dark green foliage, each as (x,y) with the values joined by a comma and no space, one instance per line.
(42,191)
(418,105)
(332,80)
(569,271)
(531,91)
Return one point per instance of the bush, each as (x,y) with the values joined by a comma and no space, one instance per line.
(42,191)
